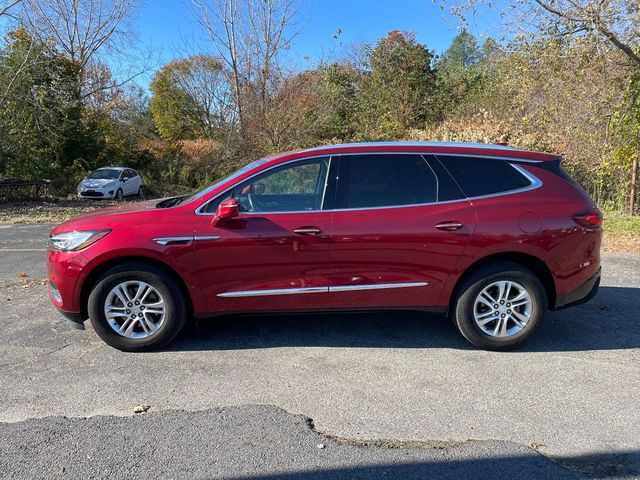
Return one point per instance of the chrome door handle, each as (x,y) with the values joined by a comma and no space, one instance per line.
(308,231)
(449,226)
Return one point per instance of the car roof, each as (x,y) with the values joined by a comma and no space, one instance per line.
(492,146)
(450,148)
(114,168)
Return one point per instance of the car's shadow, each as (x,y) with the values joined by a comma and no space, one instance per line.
(610,321)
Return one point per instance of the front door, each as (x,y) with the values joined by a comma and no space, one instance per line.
(274,255)
(399,229)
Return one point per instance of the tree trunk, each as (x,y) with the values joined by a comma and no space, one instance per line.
(634,183)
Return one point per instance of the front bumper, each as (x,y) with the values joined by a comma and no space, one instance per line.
(582,294)
(74,319)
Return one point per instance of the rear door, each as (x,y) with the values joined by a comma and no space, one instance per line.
(400,227)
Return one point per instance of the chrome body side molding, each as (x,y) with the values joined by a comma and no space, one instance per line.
(275,291)
(173,240)
(184,240)
(206,237)
(339,288)
(376,286)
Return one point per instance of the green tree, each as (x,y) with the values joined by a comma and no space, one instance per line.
(626,133)
(395,95)
(190,98)
(464,73)
(38,117)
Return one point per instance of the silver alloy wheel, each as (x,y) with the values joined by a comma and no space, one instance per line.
(134,309)
(502,309)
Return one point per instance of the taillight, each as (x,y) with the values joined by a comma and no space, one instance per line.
(589,219)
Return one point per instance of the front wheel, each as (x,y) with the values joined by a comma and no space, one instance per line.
(119,196)
(136,307)
(500,306)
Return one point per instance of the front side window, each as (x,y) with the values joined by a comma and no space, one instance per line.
(369,181)
(294,187)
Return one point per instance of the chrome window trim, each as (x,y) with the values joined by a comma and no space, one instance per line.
(328,289)
(535,183)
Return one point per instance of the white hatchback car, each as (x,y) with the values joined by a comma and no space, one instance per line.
(111,182)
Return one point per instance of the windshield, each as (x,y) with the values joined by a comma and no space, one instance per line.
(105,174)
(235,174)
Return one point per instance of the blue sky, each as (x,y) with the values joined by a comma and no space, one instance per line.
(167,26)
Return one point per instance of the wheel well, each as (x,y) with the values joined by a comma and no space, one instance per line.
(537,266)
(91,280)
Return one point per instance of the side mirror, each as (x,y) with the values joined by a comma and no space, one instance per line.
(227,210)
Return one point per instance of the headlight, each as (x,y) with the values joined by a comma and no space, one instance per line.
(72,241)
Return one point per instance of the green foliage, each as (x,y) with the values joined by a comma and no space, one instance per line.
(626,136)
(38,117)
(189,98)
(394,95)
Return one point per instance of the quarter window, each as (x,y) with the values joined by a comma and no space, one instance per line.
(479,176)
(386,180)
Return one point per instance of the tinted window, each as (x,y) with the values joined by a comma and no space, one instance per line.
(132,173)
(483,176)
(293,187)
(448,189)
(386,180)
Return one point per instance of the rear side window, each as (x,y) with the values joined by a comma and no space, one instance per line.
(479,176)
(368,181)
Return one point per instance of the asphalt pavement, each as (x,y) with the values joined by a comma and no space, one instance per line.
(388,395)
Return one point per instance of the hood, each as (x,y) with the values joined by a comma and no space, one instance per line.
(96,182)
(109,216)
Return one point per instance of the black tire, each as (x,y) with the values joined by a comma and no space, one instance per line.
(176,310)
(119,196)
(140,193)
(468,291)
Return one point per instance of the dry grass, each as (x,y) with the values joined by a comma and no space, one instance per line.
(621,233)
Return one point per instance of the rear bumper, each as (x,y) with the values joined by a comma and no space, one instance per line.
(582,294)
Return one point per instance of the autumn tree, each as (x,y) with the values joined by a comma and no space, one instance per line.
(191,98)
(249,37)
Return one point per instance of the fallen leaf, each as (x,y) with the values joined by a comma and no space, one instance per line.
(141,408)
(22,274)
(536,445)
(320,445)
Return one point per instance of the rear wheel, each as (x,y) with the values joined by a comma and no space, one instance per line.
(136,307)
(140,193)
(500,306)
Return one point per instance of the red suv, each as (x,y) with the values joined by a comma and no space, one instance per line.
(490,235)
